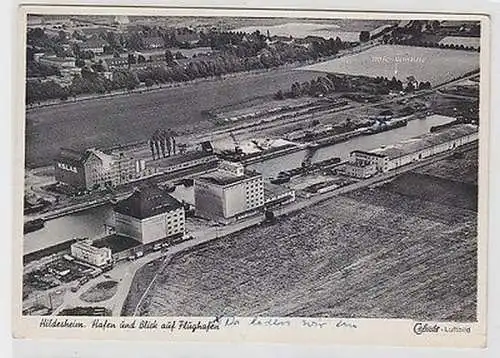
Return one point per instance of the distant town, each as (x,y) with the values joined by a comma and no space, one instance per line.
(321,156)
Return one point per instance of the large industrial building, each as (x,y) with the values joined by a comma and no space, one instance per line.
(229,192)
(94,169)
(149,215)
(365,164)
(183,161)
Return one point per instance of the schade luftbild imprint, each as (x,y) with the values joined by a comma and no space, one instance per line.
(427,328)
(281,171)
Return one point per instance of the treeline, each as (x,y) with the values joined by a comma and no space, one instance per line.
(35,69)
(37,91)
(419,43)
(239,60)
(89,82)
(415,34)
(38,41)
(237,52)
(331,83)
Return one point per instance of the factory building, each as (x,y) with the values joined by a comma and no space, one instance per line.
(84,250)
(93,169)
(359,169)
(229,192)
(99,170)
(184,161)
(365,164)
(366,159)
(70,169)
(149,215)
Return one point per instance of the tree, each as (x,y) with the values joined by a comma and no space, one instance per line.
(86,55)
(62,36)
(269,216)
(149,82)
(131,59)
(79,62)
(364,36)
(279,95)
(169,58)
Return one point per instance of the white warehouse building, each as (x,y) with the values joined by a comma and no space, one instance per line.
(364,164)
(84,250)
(149,215)
(228,193)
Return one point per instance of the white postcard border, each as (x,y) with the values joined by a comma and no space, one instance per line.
(395,332)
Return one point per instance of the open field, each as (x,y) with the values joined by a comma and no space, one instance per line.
(464,169)
(426,64)
(101,292)
(347,30)
(458,40)
(129,118)
(386,252)
(302,30)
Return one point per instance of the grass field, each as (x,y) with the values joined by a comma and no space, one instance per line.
(462,169)
(426,64)
(101,292)
(124,119)
(396,251)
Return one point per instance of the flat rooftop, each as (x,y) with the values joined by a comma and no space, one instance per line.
(176,159)
(221,177)
(117,243)
(359,164)
(424,141)
(271,190)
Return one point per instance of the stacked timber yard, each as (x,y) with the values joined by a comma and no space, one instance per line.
(329,184)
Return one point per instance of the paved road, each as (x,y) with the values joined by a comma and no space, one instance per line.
(457,96)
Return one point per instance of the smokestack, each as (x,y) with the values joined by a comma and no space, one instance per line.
(173,144)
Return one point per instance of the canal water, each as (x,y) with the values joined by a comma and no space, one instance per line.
(91,223)
(270,168)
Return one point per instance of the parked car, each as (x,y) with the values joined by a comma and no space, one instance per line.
(157,247)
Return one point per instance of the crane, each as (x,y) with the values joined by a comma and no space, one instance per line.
(237,148)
